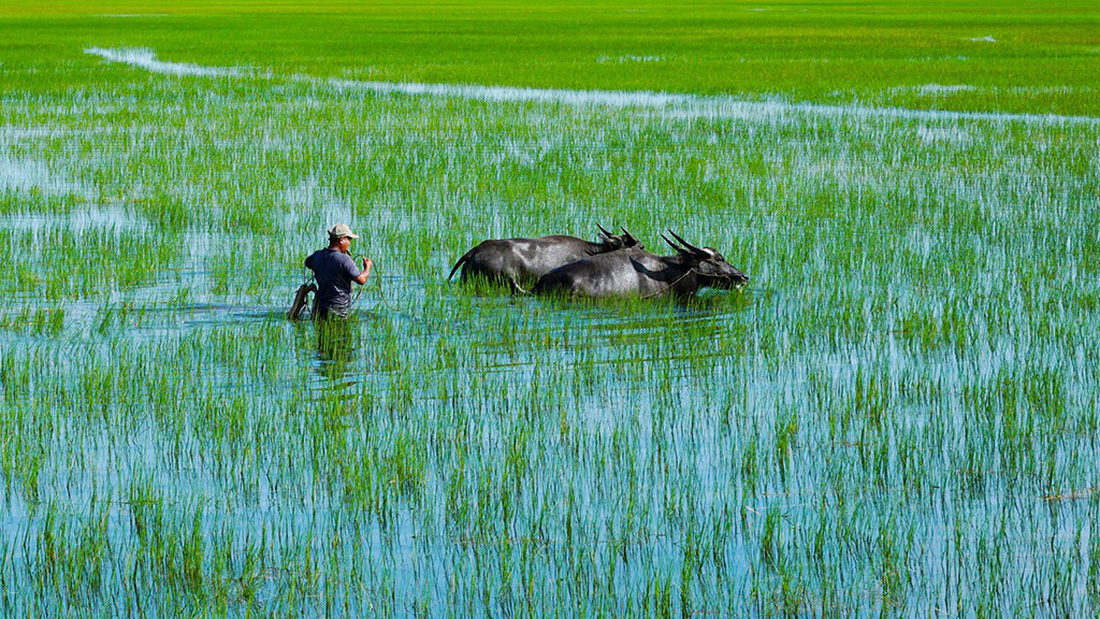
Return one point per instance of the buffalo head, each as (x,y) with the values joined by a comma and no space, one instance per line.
(623,241)
(708,263)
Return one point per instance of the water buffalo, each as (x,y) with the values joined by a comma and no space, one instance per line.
(525,260)
(637,273)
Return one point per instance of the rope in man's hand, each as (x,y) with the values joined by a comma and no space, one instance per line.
(378,287)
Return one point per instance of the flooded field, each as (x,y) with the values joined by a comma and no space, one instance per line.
(898,416)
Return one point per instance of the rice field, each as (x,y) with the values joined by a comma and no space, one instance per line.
(898,417)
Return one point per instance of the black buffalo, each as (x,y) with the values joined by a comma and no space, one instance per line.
(526,260)
(637,273)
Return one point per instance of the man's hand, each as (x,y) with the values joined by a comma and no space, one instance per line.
(367,263)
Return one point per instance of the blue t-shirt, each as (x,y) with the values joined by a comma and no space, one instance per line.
(335,271)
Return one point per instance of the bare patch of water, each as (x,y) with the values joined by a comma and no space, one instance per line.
(629,58)
(146,59)
(95,218)
(23,175)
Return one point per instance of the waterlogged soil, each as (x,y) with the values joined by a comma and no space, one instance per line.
(897,417)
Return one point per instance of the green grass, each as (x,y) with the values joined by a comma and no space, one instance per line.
(898,417)
(1043,58)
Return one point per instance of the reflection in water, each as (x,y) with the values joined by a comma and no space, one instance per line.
(337,341)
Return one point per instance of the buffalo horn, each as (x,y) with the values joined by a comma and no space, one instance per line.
(673,245)
(627,234)
(694,249)
(605,232)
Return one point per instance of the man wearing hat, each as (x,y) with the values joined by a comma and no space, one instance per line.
(335,271)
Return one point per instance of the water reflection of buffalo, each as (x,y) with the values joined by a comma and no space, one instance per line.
(637,273)
(525,260)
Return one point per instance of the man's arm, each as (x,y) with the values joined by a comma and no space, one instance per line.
(365,273)
(357,276)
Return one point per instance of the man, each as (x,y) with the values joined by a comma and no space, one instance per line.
(335,271)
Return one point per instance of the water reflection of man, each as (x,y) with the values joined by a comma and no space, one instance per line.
(335,270)
(337,341)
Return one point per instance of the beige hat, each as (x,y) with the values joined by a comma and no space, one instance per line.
(341,230)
